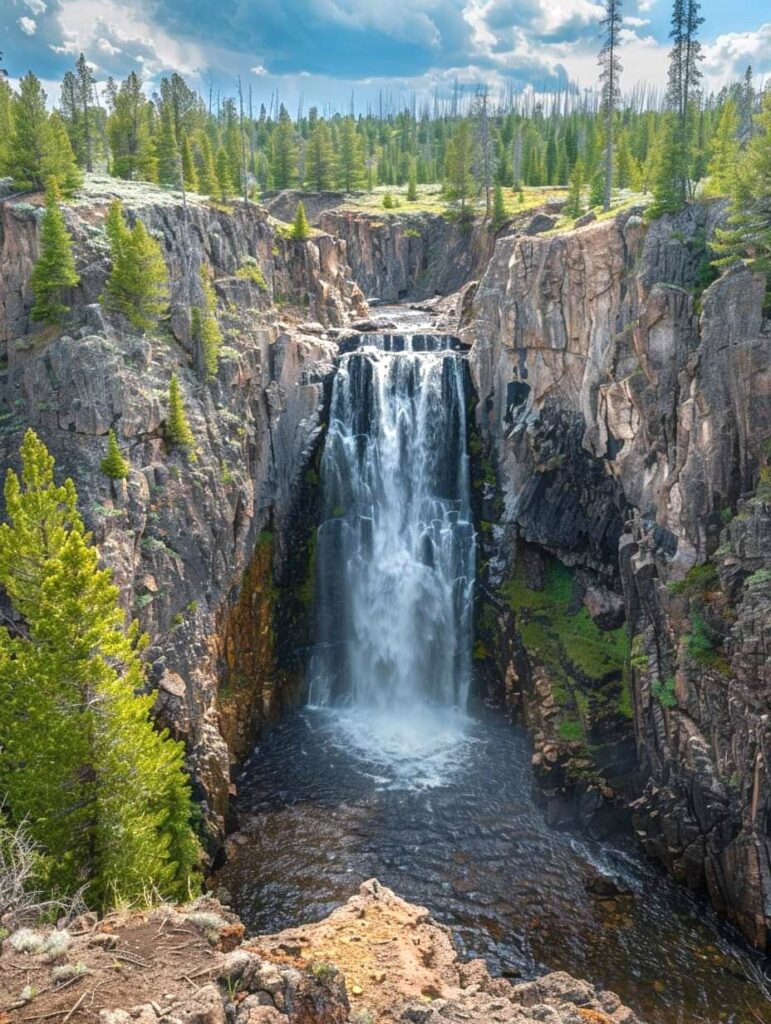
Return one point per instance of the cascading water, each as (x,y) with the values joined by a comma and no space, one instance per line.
(396,551)
(385,777)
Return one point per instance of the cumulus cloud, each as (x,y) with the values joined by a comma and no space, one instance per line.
(258,69)
(28,26)
(36,6)
(122,33)
(729,55)
(105,46)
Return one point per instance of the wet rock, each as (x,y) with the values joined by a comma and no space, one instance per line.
(606,887)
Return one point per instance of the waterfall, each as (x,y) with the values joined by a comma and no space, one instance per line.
(396,550)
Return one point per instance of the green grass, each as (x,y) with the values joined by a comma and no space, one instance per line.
(664,692)
(430,200)
(559,636)
(585,663)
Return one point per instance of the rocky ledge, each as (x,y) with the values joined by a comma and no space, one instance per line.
(625,402)
(375,959)
(199,546)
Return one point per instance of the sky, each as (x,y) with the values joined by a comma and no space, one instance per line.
(325,52)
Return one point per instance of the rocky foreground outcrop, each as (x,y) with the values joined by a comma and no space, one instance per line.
(626,403)
(375,959)
(198,545)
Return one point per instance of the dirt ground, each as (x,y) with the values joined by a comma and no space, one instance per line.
(159,956)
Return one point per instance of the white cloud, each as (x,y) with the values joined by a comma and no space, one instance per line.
(630,19)
(105,46)
(36,6)
(730,54)
(126,28)
(28,26)
(259,69)
(400,19)
(643,6)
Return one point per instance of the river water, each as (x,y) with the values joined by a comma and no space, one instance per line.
(329,800)
(385,776)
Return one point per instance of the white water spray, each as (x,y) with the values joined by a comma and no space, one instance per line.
(396,552)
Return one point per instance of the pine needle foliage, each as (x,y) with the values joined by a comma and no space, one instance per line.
(102,793)
(206,329)
(301,229)
(54,272)
(178,432)
(113,464)
(499,208)
(138,284)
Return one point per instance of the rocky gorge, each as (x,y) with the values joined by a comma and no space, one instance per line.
(620,448)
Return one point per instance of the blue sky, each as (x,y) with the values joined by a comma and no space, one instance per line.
(325,50)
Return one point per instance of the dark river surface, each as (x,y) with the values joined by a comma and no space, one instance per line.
(443,813)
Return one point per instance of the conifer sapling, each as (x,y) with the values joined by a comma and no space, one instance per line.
(301,229)
(113,464)
(54,272)
(178,430)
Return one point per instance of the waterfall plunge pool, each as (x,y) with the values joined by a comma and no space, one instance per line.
(383,776)
(446,818)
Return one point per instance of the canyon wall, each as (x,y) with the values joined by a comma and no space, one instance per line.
(627,408)
(621,477)
(199,546)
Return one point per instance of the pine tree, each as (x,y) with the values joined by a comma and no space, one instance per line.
(138,283)
(167,150)
(499,208)
(350,164)
(113,464)
(284,161)
(178,432)
(6,124)
(85,95)
(223,175)
(609,85)
(103,795)
(574,206)
(30,131)
(189,175)
(54,272)
(206,329)
(320,159)
(125,125)
(459,160)
(147,155)
(676,159)
(58,161)
(207,172)
(668,188)
(748,235)
(301,229)
(724,159)
(412,186)
(117,231)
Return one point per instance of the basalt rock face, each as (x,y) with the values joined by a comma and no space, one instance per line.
(185,536)
(232,241)
(409,256)
(628,415)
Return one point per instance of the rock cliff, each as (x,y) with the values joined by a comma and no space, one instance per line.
(198,546)
(376,958)
(410,255)
(626,403)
